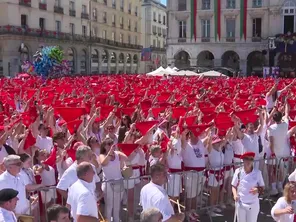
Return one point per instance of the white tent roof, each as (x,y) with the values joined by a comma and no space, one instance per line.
(185,73)
(169,70)
(156,72)
(212,74)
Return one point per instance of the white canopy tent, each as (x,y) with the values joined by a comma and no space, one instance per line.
(212,74)
(169,70)
(157,72)
(185,73)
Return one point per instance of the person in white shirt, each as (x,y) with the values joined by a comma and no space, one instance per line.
(82,199)
(12,179)
(112,162)
(250,139)
(8,201)
(282,211)
(83,154)
(247,183)
(43,141)
(279,144)
(153,195)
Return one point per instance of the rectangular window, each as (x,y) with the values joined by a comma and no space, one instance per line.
(121,38)
(154,43)
(84,31)
(182,29)
(42,23)
(206,27)
(230,28)
(121,3)
(182,5)
(154,16)
(58,26)
(257,31)
(84,9)
(130,8)
(164,20)
(136,11)
(136,40)
(158,43)
(94,32)
(57,3)
(113,36)
(72,28)
(72,5)
(104,34)
(129,39)
(257,3)
(206,4)
(159,18)
(105,17)
(230,4)
(24,20)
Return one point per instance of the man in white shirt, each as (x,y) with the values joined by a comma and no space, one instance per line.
(83,154)
(279,144)
(153,195)
(81,199)
(11,179)
(247,183)
(8,201)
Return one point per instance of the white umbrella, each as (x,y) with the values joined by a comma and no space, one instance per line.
(185,73)
(155,72)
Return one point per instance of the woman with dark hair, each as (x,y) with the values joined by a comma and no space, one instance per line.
(124,127)
(112,162)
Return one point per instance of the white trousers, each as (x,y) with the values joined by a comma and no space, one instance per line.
(112,199)
(247,212)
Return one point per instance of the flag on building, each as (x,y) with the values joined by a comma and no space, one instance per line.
(146,54)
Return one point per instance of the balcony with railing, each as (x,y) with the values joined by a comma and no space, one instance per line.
(205,39)
(18,30)
(59,10)
(84,16)
(72,13)
(26,3)
(230,39)
(181,39)
(43,6)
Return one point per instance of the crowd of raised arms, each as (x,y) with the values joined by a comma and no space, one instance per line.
(63,141)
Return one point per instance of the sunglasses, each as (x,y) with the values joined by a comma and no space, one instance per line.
(249,159)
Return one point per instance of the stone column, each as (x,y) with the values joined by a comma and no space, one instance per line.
(243,66)
(193,62)
(217,62)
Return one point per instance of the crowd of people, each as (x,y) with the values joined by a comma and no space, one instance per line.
(89,144)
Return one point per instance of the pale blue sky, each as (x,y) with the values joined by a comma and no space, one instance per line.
(163,1)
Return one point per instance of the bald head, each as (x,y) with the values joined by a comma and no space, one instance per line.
(84,171)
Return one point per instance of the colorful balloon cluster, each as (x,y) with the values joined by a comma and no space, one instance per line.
(28,67)
(49,61)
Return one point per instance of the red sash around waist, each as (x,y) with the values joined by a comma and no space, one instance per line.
(198,169)
(141,168)
(237,156)
(171,170)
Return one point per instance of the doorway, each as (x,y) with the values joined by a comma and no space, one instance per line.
(288,24)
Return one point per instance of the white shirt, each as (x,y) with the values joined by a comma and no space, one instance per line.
(292,176)
(44,143)
(245,183)
(194,155)
(269,101)
(282,204)
(7,216)
(9,181)
(279,132)
(112,170)
(153,195)
(250,143)
(70,177)
(82,200)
